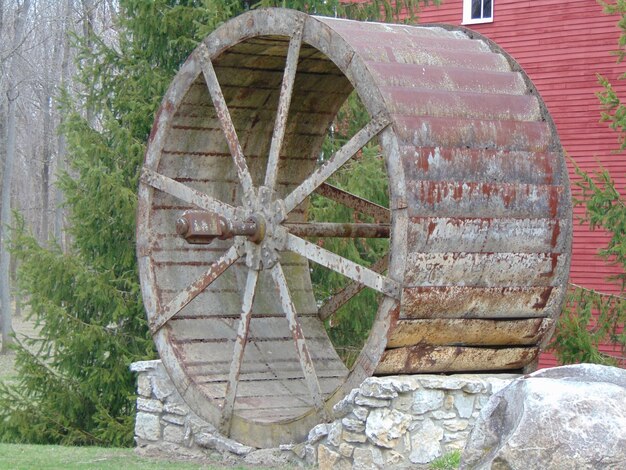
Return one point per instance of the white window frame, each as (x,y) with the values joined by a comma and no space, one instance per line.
(467,14)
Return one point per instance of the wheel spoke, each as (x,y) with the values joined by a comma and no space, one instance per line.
(340,298)
(240,346)
(226,123)
(187,295)
(335,162)
(343,266)
(284,101)
(352,201)
(185,193)
(302,350)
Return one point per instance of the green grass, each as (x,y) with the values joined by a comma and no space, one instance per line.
(30,457)
(449,461)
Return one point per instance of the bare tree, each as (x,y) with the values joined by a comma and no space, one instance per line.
(5,213)
(60,163)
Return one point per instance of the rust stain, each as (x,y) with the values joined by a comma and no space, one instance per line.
(543,299)
(554,200)
(431,228)
(394,315)
(422,162)
(458,192)
(556,230)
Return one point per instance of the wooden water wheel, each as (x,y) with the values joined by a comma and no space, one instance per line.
(479,216)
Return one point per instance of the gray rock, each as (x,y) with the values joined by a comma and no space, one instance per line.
(299,450)
(371,402)
(162,386)
(149,405)
(173,419)
(496,384)
(403,403)
(455,436)
(176,409)
(439,414)
(393,459)
(345,405)
(317,433)
(443,383)
(367,458)
(455,425)
(346,449)
(144,387)
(384,427)
(353,437)
(147,426)
(221,443)
(464,404)
(571,417)
(197,425)
(427,400)
(352,424)
(327,459)
(405,383)
(360,412)
(474,386)
(378,388)
(426,443)
(206,435)
(268,457)
(334,434)
(310,454)
(173,433)
(144,366)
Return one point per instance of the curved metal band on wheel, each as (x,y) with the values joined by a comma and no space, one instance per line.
(479,215)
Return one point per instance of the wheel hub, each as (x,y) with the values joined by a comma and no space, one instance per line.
(256,225)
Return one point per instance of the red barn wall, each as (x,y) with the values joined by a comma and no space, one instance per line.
(562,45)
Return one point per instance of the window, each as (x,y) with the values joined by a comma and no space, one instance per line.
(477,11)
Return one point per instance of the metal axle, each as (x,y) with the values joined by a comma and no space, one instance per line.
(202,227)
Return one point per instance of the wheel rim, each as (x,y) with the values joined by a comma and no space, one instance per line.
(324,378)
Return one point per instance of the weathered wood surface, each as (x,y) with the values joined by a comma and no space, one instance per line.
(431,359)
(480,302)
(466,332)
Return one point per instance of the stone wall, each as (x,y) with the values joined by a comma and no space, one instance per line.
(388,422)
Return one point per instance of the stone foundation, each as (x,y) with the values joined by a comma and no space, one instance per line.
(388,422)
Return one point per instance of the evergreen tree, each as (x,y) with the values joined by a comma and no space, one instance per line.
(74,385)
(592,318)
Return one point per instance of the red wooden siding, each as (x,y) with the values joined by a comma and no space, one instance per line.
(562,45)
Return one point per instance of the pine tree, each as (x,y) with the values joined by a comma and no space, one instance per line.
(74,384)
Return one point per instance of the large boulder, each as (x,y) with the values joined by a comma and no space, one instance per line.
(571,417)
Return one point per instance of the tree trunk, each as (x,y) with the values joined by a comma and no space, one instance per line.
(5,212)
(45,170)
(5,219)
(88,34)
(17,312)
(59,213)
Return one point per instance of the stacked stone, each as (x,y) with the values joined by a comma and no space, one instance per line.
(388,422)
(165,426)
(401,421)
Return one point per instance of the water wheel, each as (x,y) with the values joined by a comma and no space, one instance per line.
(478,222)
